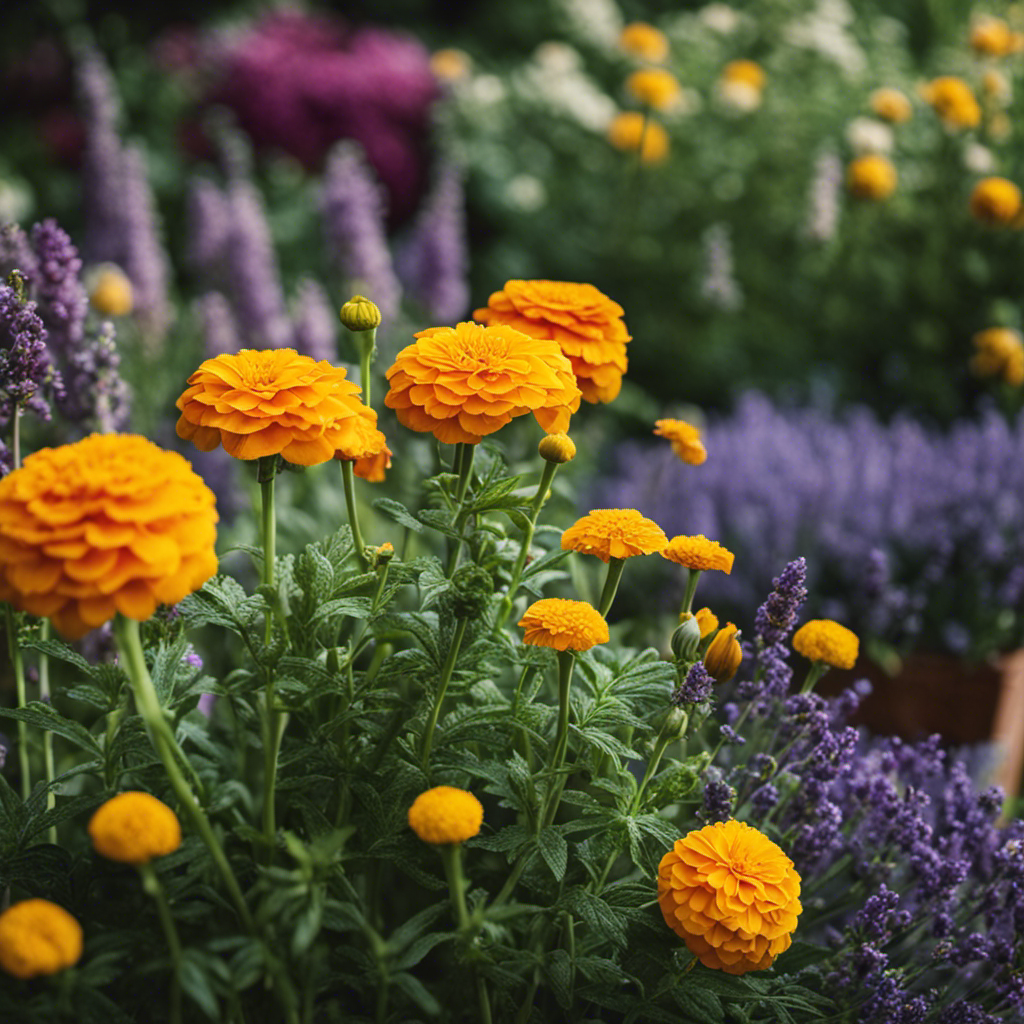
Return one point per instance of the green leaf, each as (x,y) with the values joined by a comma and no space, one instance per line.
(349,607)
(196,985)
(700,1004)
(420,948)
(396,511)
(439,519)
(558,971)
(555,850)
(414,989)
(308,925)
(597,914)
(43,716)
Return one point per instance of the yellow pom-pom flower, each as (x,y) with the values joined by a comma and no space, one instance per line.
(631,131)
(991,37)
(654,87)
(37,937)
(698,553)
(731,895)
(827,641)
(557,448)
(446,814)
(685,440)
(564,625)
(891,105)
(614,533)
(871,176)
(134,828)
(644,41)
(995,201)
(951,98)
(747,72)
(111,293)
(1000,353)
(724,654)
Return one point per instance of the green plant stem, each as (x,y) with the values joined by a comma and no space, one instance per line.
(126,632)
(463,465)
(367,343)
(348,481)
(693,575)
(16,436)
(273,723)
(465,470)
(517,570)
(151,884)
(442,687)
(451,854)
(611,585)
(18,665)
(566,663)
(814,673)
(44,695)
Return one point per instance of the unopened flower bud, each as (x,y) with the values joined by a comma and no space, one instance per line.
(724,654)
(380,556)
(708,622)
(360,314)
(686,638)
(557,448)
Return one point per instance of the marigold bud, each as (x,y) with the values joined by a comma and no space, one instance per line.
(558,448)
(686,638)
(360,314)
(382,554)
(724,654)
(708,622)
(37,937)
(112,293)
(472,588)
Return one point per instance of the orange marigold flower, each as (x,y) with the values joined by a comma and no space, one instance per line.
(134,827)
(746,71)
(109,524)
(891,105)
(953,101)
(614,533)
(827,641)
(639,39)
(708,622)
(698,553)
(586,324)
(991,37)
(995,201)
(654,87)
(464,382)
(446,814)
(373,467)
(685,438)
(276,402)
(631,131)
(563,624)
(731,895)
(1000,354)
(871,176)
(37,937)
(724,654)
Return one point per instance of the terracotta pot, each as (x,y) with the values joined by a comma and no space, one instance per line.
(963,702)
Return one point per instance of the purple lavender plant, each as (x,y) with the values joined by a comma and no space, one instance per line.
(57,286)
(208,220)
(27,374)
(217,325)
(314,322)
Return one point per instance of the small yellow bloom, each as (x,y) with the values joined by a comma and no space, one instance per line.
(134,828)
(995,201)
(564,625)
(891,105)
(112,292)
(746,71)
(450,65)
(827,641)
(445,814)
(1000,354)
(685,439)
(360,314)
(698,553)
(871,177)
(708,622)
(654,88)
(614,533)
(628,131)
(953,101)
(991,37)
(37,937)
(644,41)
(724,654)
(557,448)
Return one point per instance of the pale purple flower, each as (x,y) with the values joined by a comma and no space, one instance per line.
(217,325)
(314,322)
(718,284)
(208,224)
(57,286)
(824,198)
(16,253)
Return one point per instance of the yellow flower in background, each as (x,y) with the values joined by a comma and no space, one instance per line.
(871,177)
(724,654)
(614,533)
(991,37)
(891,105)
(685,439)
(707,620)
(654,88)
(1000,353)
(134,828)
(731,895)
(629,130)
(450,65)
(446,814)
(563,624)
(952,99)
(462,383)
(698,553)
(586,324)
(827,641)
(644,41)
(111,293)
(37,937)
(746,72)
(995,201)
(109,524)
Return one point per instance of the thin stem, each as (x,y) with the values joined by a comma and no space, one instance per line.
(814,673)
(367,342)
(273,725)
(451,855)
(268,522)
(152,886)
(693,575)
(611,585)
(566,663)
(16,436)
(463,465)
(465,471)
(348,481)
(665,737)
(19,679)
(44,695)
(442,687)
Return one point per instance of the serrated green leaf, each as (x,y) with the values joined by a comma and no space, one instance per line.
(417,950)
(415,990)
(555,851)
(196,985)
(397,512)
(558,971)
(45,717)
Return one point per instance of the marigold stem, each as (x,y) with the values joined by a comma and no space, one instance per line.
(693,575)
(442,688)
(566,663)
(273,725)
(611,584)
(367,342)
(44,695)
(451,855)
(151,884)
(814,673)
(465,471)
(348,481)
(18,665)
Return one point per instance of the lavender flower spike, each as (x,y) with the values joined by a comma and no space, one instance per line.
(57,287)
(16,253)
(218,325)
(208,223)
(25,367)
(96,396)
(314,322)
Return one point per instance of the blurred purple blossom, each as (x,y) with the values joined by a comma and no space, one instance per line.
(27,373)
(208,223)
(718,284)
(96,397)
(314,322)
(57,286)
(16,253)
(218,326)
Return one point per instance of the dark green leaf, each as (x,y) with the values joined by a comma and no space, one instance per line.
(396,511)
(45,717)
(555,851)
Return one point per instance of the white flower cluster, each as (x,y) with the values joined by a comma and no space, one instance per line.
(554,77)
(596,22)
(824,198)
(826,31)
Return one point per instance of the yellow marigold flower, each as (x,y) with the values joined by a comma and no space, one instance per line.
(991,37)
(995,201)
(37,937)
(563,624)
(871,177)
(891,105)
(724,654)
(373,467)
(731,895)
(631,131)
(827,641)
(685,438)
(111,293)
(557,448)
(445,814)
(746,71)
(698,553)
(708,622)
(586,324)
(1000,354)
(450,65)
(953,101)
(109,524)
(276,402)
(134,828)
(464,382)
(614,533)
(644,41)
(654,87)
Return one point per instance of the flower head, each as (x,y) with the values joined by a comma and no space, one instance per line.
(631,131)
(654,87)
(995,201)
(276,402)
(871,176)
(111,293)
(747,72)
(685,439)
(731,895)
(450,65)
(952,99)
(891,105)
(586,324)
(133,828)
(109,524)
(827,641)
(37,937)
(372,468)
(445,814)
(557,448)
(1000,353)
(614,533)
(698,553)
(564,625)
(464,382)
(707,620)
(644,41)
(991,37)
(724,654)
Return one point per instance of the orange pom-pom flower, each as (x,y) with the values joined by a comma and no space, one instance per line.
(564,625)
(614,533)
